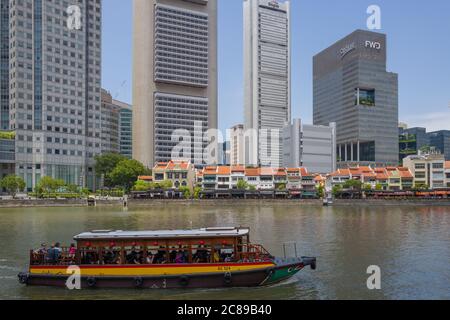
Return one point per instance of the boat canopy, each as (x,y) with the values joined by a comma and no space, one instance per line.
(236,232)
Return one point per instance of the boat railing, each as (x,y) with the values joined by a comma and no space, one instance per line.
(253,253)
(63,257)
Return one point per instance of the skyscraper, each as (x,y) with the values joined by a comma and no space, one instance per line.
(54,87)
(353,89)
(311,147)
(237,145)
(116,126)
(174,78)
(267,79)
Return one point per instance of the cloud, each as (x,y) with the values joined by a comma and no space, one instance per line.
(432,121)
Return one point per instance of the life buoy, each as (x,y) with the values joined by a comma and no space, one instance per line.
(138,282)
(184,281)
(23,278)
(227,278)
(92,282)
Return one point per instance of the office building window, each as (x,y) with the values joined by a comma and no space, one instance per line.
(365,97)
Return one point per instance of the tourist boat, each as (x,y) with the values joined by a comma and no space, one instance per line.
(203,258)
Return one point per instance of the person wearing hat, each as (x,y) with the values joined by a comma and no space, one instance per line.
(40,253)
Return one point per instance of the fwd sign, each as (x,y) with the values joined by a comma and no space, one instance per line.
(373,45)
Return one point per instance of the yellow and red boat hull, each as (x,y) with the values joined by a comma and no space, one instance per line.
(154,276)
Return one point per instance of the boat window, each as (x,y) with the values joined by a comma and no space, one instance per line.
(179,253)
(201,253)
(89,255)
(134,255)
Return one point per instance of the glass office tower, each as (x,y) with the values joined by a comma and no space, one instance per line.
(353,89)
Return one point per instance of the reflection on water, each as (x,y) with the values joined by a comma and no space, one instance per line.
(410,244)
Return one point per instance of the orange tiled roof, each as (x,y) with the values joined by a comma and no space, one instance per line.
(252,172)
(266,172)
(406,174)
(279,172)
(223,171)
(341,173)
(319,178)
(171,165)
(237,169)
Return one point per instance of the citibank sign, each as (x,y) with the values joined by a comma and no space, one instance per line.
(348,48)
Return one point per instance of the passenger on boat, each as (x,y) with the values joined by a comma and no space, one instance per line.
(118,258)
(72,251)
(150,257)
(109,257)
(180,258)
(201,255)
(54,253)
(173,255)
(160,256)
(42,249)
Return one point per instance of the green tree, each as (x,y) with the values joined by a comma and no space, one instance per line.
(282,187)
(421,186)
(186,192)
(13,184)
(379,187)
(105,164)
(197,191)
(142,186)
(367,187)
(336,190)
(242,185)
(166,184)
(126,173)
(320,191)
(353,184)
(49,185)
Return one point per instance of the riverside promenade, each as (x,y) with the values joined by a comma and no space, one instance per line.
(133,203)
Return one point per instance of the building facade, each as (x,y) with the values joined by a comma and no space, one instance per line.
(180,173)
(174,79)
(54,88)
(428,170)
(411,140)
(309,146)
(382,179)
(125,129)
(237,145)
(440,140)
(261,179)
(267,79)
(353,89)
(7,154)
(116,126)
(447,173)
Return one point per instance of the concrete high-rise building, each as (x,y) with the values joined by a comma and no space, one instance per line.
(116,126)
(125,129)
(174,78)
(267,79)
(353,89)
(54,87)
(237,145)
(311,147)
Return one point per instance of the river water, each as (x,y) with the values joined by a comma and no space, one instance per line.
(411,245)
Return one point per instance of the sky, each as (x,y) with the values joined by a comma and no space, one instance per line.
(418,34)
